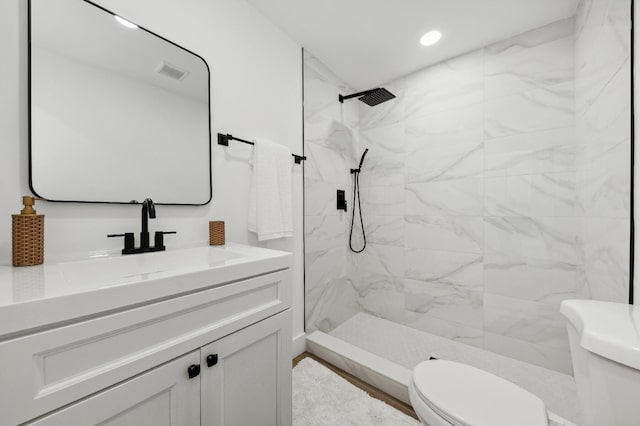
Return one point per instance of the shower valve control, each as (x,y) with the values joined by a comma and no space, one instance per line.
(341,201)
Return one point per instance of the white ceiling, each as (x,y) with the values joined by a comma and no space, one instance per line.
(370,42)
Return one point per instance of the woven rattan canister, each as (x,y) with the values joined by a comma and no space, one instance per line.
(27,232)
(216,233)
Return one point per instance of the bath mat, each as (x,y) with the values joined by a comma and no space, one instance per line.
(322,398)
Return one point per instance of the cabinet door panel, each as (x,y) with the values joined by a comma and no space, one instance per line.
(164,396)
(251,382)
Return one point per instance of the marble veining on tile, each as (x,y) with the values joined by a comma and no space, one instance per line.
(547,151)
(444,301)
(533,322)
(457,197)
(496,186)
(463,234)
(539,58)
(446,267)
(383,200)
(330,304)
(445,145)
(383,297)
(536,110)
(540,281)
(542,238)
(455,331)
(536,195)
(607,258)
(384,230)
(452,84)
(324,232)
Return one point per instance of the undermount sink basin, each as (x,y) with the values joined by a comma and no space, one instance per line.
(120,269)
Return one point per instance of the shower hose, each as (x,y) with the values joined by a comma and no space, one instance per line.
(356,195)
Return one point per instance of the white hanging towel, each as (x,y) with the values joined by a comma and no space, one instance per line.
(271,201)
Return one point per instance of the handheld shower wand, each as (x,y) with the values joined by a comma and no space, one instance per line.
(364,154)
(356,193)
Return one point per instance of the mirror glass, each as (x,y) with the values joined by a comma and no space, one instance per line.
(117,113)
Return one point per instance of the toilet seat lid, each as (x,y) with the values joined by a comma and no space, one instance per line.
(467,396)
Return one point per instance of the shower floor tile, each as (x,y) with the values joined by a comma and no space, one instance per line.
(407,347)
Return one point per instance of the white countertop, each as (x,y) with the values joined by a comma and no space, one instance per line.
(38,296)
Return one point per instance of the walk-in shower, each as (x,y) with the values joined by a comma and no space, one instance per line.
(496,185)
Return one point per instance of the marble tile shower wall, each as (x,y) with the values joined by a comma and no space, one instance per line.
(603,114)
(330,138)
(487,202)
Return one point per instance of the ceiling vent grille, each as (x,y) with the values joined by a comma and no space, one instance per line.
(171,71)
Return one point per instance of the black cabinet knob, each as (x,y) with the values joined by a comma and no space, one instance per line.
(212,360)
(193,371)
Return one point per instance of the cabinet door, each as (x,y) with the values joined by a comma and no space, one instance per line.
(162,396)
(248,381)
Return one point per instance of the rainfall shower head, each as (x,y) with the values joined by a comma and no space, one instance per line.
(370,97)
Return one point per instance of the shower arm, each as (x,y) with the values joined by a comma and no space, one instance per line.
(355,95)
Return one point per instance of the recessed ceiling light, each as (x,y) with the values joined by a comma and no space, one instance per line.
(125,22)
(430,38)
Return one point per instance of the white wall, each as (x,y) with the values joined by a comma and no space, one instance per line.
(256,92)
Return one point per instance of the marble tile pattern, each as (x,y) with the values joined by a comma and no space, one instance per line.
(603,114)
(330,136)
(504,201)
(496,186)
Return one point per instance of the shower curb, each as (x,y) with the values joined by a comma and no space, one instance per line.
(385,375)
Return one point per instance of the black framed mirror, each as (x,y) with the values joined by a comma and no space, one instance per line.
(116,112)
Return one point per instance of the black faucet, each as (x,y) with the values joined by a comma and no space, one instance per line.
(148,212)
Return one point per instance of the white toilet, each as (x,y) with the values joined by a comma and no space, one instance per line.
(605,350)
(445,393)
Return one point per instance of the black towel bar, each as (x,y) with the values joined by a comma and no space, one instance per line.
(224,140)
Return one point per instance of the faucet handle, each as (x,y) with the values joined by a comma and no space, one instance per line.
(159,239)
(129,242)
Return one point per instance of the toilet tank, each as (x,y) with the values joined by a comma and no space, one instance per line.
(605,350)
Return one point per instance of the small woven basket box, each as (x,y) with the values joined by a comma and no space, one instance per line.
(216,233)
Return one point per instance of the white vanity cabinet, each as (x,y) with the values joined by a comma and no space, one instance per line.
(241,379)
(131,365)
